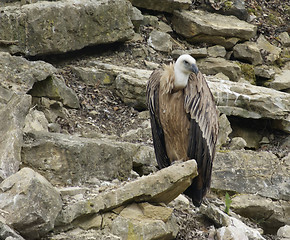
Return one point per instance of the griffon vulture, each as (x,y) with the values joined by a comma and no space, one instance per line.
(184,120)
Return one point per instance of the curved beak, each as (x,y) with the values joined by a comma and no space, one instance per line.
(194,68)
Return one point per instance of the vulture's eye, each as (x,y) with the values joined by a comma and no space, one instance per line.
(186,62)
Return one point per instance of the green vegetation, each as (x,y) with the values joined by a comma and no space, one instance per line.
(228,202)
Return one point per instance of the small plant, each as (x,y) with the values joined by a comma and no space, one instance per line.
(228,202)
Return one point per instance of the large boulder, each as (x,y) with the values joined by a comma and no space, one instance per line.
(163,5)
(65,159)
(62,26)
(248,52)
(195,24)
(31,202)
(12,118)
(252,172)
(160,187)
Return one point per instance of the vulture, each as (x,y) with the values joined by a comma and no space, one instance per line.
(184,120)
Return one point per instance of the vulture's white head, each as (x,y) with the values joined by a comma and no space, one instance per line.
(184,66)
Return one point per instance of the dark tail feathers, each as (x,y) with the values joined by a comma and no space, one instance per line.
(195,193)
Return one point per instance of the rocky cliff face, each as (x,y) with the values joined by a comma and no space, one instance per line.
(76,155)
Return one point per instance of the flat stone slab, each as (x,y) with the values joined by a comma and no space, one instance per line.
(62,26)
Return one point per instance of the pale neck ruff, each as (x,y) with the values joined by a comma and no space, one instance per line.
(181,79)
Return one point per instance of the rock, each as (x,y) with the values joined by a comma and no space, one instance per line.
(248,52)
(42,27)
(12,118)
(284,39)
(224,130)
(281,81)
(55,88)
(270,214)
(212,66)
(163,27)
(163,6)
(65,159)
(19,74)
(237,143)
(35,121)
(144,161)
(251,172)
(151,20)
(196,53)
(31,201)
(273,52)
(284,231)
(264,71)
(160,41)
(160,187)
(93,76)
(181,203)
(197,23)
(233,228)
(251,136)
(8,233)
(216,51)
(136,18)
(145,221)
(244,100)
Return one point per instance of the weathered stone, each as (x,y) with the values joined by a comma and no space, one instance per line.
(212,66)
(264,71)
(65,159)
(244,100)
(145,221)
(233,227)
(136,18)
(163,27)
(227,42)
(12,118)
(150,20)
(248,52)
(273,52)
(160,187)
(164,5)
(196,53)
(191,24)
(35,121)
(41,28)
(181,203)
(224,130)
(31,201)
(19,74)
(270,214)
(216,51)
(160,41)
(144,161)
(281,81)
(237,143)
(8,233)
(284,232)
(55,88)
(252,172)
(284,39)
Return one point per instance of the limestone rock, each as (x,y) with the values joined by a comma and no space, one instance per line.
(160,41)
(160,187)
(35,121)
(248,52)
(270,214)
(196,23)
(64,159)
(145,221)
(224,130)
(237,143)
(212,66)
(55,88)
(144,160)
(42,27)
(164,5)
(284,231)
(285,39)
(244,100)
(8,233)
(281,81)
(264,71)
(251,172)
(136,18)
(31,201)
(196,53)
(231,227)
(19,74)
(273,52)
(216,51)
(12,118)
